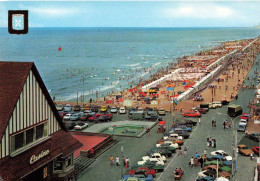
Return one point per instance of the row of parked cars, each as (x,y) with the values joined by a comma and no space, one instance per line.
(203,109)
(155,159)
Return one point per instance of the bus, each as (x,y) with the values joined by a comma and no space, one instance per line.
(234,110)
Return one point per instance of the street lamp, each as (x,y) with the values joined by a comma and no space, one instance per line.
(122,151)
(234,158)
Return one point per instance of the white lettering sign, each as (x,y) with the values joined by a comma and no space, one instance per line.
(35,158)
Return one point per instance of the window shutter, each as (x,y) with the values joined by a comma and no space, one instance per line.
(45,130)
(12,144)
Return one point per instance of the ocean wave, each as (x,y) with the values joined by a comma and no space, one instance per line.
(143,74)
(133,65)
(109,86)
(156,64)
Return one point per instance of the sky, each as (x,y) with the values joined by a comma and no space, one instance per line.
(135,13)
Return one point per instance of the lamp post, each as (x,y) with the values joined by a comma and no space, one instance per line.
(234,155)
(122,151)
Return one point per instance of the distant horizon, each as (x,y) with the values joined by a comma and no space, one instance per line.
(145,14)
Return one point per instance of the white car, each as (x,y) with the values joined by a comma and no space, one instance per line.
(222,153)
(217,104)
(169,143)
(81,126)
(157,161)
(173,136)
(68,116)
(221,179)
(161,111)
(243,121)
(140,110)
(212,106)
(59,107)
(122,110)
(113,110)
(155,155)
(205,173)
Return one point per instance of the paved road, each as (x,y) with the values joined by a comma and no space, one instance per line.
(135,148)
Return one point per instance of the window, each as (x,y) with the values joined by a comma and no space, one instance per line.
(19,141)
(57,164)
(39,131)
(68,161)
(29,136)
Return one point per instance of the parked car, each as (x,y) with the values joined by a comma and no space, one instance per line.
(198,98)
(167,143)
(89,112)
(151,115)
(208,178)
(80,126)
(224,102)
(76,108)
(113,110)
(146,170)
(151,165)
(67,107)
(205,106)
(103,109)
(94,109)
(191,114)
(256,149)
(92,118)
(62,113)
(67,116)
(161,111)
(122,110)
(155,160)
(84,117)
(155,155)
(163,151)
(172,136)
(216,157)
(182,133)
(214,168)
(188,122)
(102,119)
(70,126)
(86,107)
(140,176)
(185,128)
(131,109)
(241,126)
(222,153)
(244,150)
(254,136)
(200,110)
(212,106)
(75,117)
(217,104)
(205,173)
(59,107)
(168,147)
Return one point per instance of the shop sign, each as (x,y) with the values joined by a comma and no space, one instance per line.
(35,158)
(45,172)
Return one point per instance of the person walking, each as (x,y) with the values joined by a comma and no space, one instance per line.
(212,143)
(215,123)
(111,160)
(117,161)
(224,124)
(201,161)
(185,151)
(179,151)
(215,143)
(205,152)
(191,162)
(212,123)
(124,162)
(127,162)
(208,142)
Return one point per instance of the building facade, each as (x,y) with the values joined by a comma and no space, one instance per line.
(34,143)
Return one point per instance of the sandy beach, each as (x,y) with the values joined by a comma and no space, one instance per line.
(194,68)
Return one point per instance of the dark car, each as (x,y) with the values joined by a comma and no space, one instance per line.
(163,151)
(94,109)
(102,119)
(76,108)
(188,122)
(182,133)
(70,126)
(131,109)
(224,102)
(206,179)
(254,136)
(200,110)
(84,117)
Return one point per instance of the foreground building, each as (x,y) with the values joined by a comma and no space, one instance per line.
(34,143)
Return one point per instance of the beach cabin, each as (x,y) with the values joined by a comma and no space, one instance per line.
(34,143)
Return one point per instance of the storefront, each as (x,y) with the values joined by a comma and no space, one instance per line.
(35,144)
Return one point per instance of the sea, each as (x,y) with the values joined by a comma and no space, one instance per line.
(108,59)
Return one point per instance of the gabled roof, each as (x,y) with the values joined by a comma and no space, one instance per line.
(13,76)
